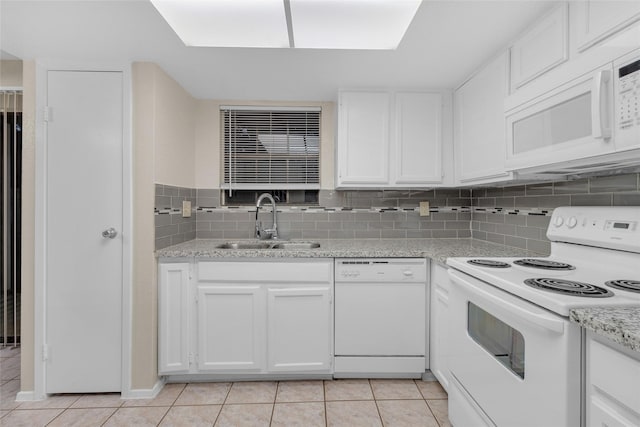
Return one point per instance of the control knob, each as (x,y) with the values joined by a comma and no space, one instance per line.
(572,222)
(558,221)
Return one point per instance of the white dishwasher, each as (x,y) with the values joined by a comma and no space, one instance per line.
(380,317)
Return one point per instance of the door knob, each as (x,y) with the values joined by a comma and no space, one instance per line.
(110,233)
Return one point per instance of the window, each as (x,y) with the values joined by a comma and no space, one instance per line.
(502,341)
(270,148)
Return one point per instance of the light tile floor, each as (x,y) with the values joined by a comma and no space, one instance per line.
(348,403)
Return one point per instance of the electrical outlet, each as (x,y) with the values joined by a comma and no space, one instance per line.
(186,209)
(424,208)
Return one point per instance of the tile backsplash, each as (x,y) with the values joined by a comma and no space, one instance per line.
(519,215)
(171,227)
(514,216)
(342,215)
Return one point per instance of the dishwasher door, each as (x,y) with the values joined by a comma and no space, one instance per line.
(380,316)
(379,319)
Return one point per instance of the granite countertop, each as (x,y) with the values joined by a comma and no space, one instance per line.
(619,324)
(437,249)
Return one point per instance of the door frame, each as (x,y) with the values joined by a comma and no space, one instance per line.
(40,261)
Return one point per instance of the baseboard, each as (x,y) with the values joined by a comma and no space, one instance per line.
(428,376)
(144,393)
(26,396)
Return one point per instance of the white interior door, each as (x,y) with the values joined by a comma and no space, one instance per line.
(84,197)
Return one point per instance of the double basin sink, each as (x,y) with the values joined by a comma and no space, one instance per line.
(269,245)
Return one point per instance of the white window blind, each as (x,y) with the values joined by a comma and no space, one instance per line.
(270,148)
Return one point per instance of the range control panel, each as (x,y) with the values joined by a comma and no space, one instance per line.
(607,227)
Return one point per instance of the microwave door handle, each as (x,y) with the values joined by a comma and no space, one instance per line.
(536,319)
(600,96)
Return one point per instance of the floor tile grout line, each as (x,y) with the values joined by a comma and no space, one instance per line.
(164,415)
(434,414)
(273,407)
(324,399)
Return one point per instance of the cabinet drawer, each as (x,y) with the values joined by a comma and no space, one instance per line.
(615,373)
(292,271)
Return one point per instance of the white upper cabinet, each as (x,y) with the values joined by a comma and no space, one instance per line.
(540,49)
(594,21)
(363,138)
(418,141)
(389,140)
(479,125)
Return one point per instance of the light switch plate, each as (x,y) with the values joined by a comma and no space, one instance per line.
(186,209)
(424,208)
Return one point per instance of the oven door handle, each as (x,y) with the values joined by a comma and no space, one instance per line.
(536,319)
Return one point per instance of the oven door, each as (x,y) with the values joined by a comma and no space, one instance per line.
(517,363)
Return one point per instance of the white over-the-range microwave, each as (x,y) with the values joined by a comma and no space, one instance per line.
(589,123)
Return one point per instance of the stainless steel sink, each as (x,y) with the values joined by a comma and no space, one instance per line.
(296,245)
(269,245)
(245,245)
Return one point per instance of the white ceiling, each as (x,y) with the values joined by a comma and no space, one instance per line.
(446,41)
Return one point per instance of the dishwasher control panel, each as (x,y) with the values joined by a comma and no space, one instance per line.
(374,270)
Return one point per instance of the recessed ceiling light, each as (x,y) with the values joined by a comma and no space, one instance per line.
(226,23)
(351,24)
(314,24)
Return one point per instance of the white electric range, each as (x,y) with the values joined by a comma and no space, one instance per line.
(515,356)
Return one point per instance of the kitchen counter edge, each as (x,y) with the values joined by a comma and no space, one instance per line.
(436,249)
(618,324)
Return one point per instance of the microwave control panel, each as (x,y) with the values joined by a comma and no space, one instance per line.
(629,95)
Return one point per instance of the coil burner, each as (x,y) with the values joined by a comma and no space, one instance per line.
(488,263)
(544,264)
(569,287)
(625,285)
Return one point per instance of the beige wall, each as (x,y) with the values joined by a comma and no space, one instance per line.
(174,132)
(207,142)
(163,152)
(10,73)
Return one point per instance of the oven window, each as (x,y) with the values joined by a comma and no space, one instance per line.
(499,339)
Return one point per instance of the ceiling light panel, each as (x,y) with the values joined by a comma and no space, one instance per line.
(351,24)
(226,23)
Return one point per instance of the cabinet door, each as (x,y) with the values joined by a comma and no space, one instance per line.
(439,341)
(231,327)
(480,137)
(363,138)
(418,138)
(612,378)
(593,21)
(299,328)
(540,49)
(173,318)
(607,414)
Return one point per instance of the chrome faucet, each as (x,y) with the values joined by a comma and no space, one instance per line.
(268,233)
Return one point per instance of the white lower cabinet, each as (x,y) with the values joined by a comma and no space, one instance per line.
(246,317)
(439,337)
(173,318)
(299,328)
(613,375)
(230,327)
